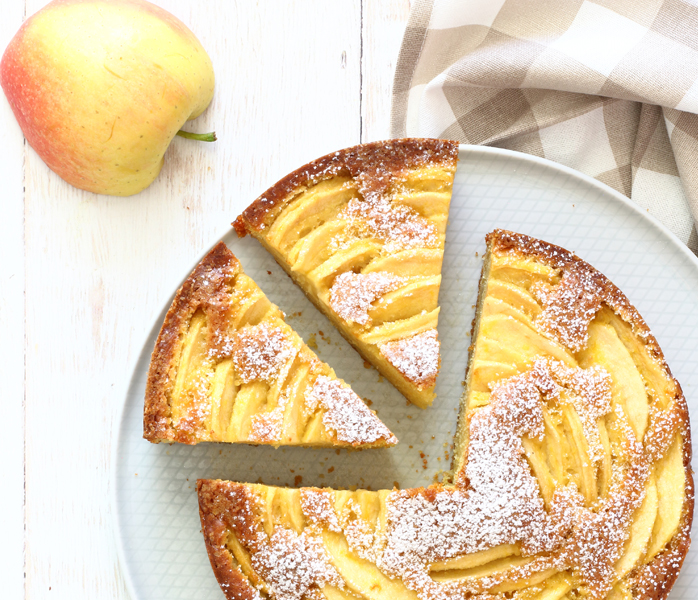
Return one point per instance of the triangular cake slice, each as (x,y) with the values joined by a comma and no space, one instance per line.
(362,232)
(227,368)
(572,477)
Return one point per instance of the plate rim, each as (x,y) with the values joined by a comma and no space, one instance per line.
(463,149)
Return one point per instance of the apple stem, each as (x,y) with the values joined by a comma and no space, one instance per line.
(202,137)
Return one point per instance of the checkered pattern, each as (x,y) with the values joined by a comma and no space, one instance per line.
(608,87)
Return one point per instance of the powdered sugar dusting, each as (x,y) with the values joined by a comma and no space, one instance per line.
(352,294)
(599,537)
(294,566)
(291,566)
(416,357)
(267,427)
(398,226)
(345,413)
(498,501)
(360,536)
(318,508)
(591,397)
(569,307)
(260,352)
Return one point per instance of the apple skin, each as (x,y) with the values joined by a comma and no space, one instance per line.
(100,88)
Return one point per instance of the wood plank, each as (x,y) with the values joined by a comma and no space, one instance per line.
(12,327)
(99,269)
(383,26)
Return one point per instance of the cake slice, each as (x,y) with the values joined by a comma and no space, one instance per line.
(227,368)
(571,476)
(362,232)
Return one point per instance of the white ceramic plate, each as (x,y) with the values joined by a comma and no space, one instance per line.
(158,531)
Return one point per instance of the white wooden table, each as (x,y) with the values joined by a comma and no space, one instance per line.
(82,276)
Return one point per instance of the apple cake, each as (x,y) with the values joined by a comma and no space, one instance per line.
(362,232)
(227,368)
(571,477)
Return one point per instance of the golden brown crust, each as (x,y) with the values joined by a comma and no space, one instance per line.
(198,291)
(368,162)
(654,580)
(219,508)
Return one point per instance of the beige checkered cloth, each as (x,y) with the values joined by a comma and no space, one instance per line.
(608,87)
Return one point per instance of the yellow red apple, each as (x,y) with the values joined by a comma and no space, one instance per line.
(100,88)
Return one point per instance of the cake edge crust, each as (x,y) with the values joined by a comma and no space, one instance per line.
(234,584)
(157,409)
(394,155)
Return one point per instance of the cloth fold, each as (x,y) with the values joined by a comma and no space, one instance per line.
(609,88)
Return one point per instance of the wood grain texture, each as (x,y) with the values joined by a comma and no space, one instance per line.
(383,25)
(99,269)
(12,327)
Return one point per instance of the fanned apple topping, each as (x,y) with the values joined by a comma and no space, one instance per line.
(362,232)
(571,477)
(227,368)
